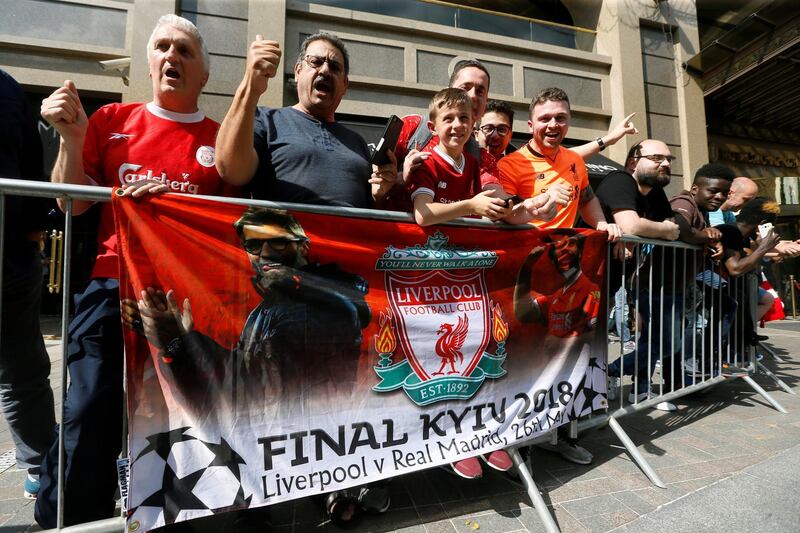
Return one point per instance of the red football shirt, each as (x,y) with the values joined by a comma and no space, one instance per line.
(126,143)
(439,178)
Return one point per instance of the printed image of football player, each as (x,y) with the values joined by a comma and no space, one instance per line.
(572,309)
(300,344)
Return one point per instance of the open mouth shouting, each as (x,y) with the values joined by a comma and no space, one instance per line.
(171,74)
(322,84)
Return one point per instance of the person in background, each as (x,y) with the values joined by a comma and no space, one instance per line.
(25,394)
(742,191)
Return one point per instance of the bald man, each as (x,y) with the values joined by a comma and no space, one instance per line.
(742,191)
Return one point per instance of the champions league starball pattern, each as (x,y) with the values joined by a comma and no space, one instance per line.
(187,478)
(589,394)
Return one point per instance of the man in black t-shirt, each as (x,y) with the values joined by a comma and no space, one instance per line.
(636,202)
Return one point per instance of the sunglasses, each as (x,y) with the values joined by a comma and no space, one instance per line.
(316,62)
(278,244)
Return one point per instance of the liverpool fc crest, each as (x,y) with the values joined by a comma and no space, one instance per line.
(440,312)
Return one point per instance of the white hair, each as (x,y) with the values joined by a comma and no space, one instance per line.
(186,26)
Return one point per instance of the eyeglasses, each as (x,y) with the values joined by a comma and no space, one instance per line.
(501,130)
(658,158)
(278,244)
(316,62)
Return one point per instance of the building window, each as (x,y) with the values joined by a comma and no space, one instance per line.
(545,22)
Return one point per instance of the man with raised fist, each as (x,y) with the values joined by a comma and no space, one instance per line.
(299,154)
(120,145)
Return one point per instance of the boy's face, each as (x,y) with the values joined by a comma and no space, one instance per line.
(710,193)
(453,126)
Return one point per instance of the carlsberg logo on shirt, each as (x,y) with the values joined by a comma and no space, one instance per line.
(128,173)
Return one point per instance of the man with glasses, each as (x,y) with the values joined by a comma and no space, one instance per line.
(495,130)
(299,154)
(635,200)
(298,348)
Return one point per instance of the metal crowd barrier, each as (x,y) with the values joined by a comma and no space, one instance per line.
(699,318)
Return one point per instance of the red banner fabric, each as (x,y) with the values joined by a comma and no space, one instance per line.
(279,355)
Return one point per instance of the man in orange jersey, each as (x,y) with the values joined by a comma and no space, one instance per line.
(543,164)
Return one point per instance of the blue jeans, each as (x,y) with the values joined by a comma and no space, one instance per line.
(669,328)
(25,395)
(93,413)
(621,315)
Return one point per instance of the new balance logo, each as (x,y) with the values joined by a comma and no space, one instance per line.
(124,136)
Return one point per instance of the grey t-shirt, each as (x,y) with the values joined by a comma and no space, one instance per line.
(308,161)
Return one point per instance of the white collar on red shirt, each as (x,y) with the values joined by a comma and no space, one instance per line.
(458,167)
(166,114)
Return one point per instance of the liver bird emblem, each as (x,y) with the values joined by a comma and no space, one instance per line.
(448,347)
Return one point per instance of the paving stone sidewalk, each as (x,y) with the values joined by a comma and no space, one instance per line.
(726,440)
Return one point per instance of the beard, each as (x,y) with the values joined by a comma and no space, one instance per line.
(653,179)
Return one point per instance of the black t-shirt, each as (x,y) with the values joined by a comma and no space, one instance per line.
(619,191)
(732,240)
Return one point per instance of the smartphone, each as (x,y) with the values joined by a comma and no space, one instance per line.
(516,199)
(388,141)
(764,229)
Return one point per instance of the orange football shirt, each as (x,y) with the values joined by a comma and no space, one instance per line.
(527,173)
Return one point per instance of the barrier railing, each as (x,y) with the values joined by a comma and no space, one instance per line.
(703,320)
(691,321)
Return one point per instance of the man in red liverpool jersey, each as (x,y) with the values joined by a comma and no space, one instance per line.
(164,145)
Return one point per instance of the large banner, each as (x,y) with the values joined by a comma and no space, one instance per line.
(279,355)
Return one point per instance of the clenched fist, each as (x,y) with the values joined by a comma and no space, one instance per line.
(263,58)
(63,110)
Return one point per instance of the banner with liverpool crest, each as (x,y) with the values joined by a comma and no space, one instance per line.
(274,355)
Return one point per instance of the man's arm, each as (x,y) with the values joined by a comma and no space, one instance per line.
(616,133)
(63,111)
(631,223)
(693,235)
(786,249)
(592,214)
(427,212)
(236,157)
(526,310)
(738,265)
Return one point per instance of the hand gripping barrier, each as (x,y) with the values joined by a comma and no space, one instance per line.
(691,328)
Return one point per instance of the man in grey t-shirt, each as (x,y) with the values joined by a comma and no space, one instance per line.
(299,154)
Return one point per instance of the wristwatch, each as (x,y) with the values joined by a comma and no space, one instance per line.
(171,350)
(600,143)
